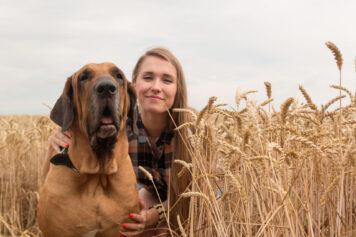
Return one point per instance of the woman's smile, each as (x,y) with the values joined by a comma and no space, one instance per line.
(155,98)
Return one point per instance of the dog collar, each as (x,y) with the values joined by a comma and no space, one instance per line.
(63,159)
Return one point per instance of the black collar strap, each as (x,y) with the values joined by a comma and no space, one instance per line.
(63,159)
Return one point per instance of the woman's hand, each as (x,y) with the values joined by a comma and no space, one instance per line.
(145,219)
(59,139)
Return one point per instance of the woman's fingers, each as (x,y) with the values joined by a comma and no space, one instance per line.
(55,148)
(68,134)
(133,229)
(142,206)
(59,139)
(138,227)
(133,233)
(64,137)
(140,218)
(134,226)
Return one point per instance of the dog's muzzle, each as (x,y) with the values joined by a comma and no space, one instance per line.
(105,113)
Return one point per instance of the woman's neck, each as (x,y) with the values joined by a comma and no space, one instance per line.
(154,123)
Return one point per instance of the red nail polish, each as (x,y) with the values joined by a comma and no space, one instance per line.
(66,145)
(124,225)
(122,234)
(131,215)
(70,135)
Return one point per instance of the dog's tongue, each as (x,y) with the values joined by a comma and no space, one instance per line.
(106,120)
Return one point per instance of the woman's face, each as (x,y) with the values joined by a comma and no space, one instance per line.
(156,85)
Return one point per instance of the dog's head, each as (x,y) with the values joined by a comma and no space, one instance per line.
(96,101)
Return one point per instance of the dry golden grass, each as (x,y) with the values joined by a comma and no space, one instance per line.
(23,142)
(255,171)
(286,173)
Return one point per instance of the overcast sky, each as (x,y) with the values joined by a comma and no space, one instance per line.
(222,45)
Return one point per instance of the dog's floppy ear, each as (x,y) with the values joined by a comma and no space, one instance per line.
(63,111)
(133,98)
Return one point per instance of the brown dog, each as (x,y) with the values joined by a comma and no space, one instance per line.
(96,193)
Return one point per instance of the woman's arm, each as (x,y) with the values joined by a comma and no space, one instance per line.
(153,215)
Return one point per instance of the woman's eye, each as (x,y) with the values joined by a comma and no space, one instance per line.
(167,80)
(147,77)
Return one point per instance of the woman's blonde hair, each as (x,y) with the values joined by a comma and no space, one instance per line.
(180,151)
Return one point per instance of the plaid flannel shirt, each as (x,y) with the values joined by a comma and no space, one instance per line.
(141,154)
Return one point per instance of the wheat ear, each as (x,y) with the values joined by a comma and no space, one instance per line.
(268,89)
(205,109)
(284,108)
(307,98)
(343,89)
(195,194)
(337,54)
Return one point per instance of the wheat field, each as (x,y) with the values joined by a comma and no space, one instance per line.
(23,143)
(256,170)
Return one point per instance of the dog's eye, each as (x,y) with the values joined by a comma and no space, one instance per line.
(83,77)
(119,76)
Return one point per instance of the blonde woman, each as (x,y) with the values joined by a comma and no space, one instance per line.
(160,86)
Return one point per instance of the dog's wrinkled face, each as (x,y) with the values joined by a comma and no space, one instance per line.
(100,89)
(96,99)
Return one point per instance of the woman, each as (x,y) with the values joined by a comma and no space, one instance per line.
(160,86)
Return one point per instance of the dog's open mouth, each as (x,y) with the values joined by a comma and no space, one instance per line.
(103,129)
(107,127)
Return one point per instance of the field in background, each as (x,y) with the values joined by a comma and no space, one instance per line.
(259,172)
(256,171)
(23,142)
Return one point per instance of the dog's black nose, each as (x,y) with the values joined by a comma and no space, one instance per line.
(105,88)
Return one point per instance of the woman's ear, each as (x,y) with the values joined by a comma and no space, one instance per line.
(63,111)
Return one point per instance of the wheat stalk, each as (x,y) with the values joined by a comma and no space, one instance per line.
(181,227)
(192,113)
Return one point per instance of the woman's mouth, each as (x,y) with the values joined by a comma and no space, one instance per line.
(152,97)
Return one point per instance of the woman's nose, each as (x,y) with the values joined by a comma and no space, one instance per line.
(156,86)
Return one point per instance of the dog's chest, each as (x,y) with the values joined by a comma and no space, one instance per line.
(90,206)
(92,233)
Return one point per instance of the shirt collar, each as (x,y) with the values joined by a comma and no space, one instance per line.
(165,137)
